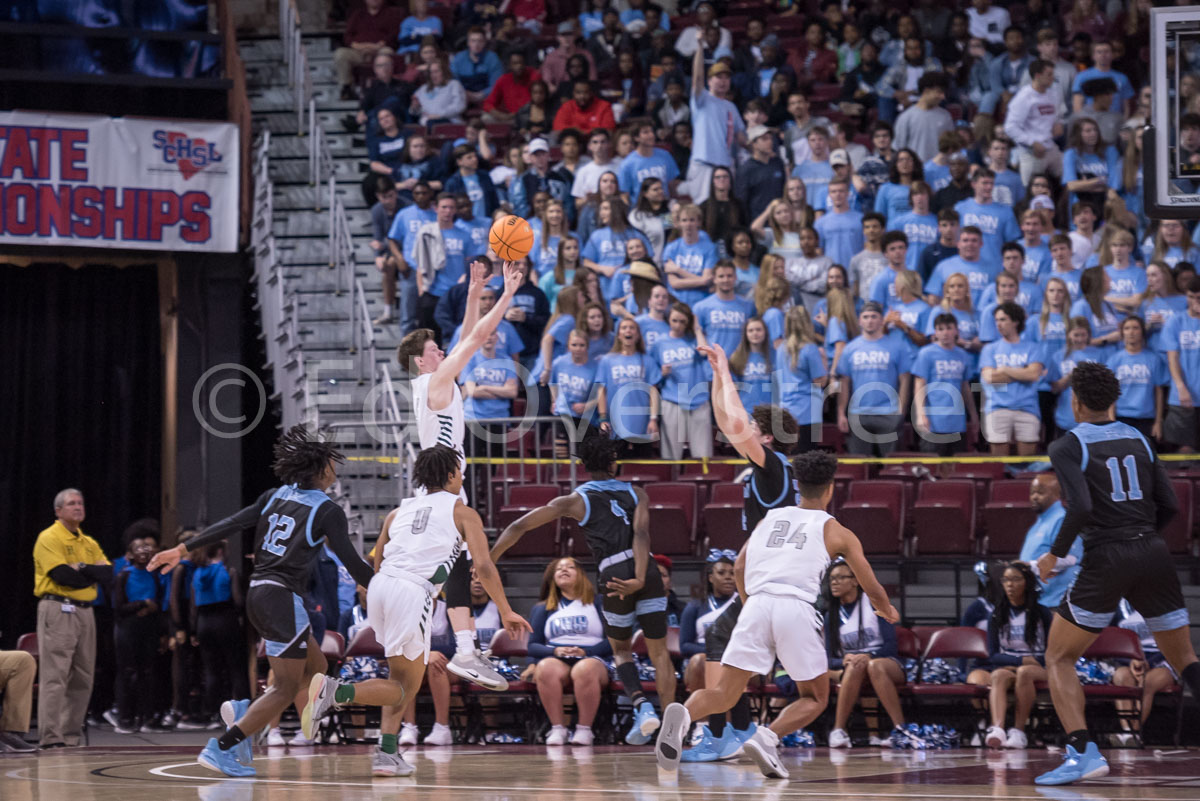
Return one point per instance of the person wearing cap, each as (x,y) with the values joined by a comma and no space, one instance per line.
(716,126)
(554,65)
(691,38)
(1034,120)
(537,178)
(646,161)
(878,367)
(839,162)
(584,111)
(919,126)
(762,177)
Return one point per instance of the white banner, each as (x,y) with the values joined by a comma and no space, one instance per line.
(68,179)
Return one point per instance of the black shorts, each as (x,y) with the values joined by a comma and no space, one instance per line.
(1180,426)
(648,606)
(944,449)
(278,616)
(457,588)
(717,636)
(1141,571)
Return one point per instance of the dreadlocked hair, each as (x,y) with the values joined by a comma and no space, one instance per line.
(301,458)
(598,453)
(434,467)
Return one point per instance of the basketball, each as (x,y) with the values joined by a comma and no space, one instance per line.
(511,238)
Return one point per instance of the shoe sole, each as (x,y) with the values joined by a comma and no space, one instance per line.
(228,714)
(306,717)
(771,768)
(669,749)
(1094,773)
(475,678)
(998,744)
(204,761)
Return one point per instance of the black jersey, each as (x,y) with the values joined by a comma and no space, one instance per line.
(771,486)
(608,516)
(291,527)
(1114,486)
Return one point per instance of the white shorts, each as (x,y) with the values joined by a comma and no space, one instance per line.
(773,626)
(400,613)
(1010,425)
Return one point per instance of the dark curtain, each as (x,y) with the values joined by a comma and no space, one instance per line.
(81,397)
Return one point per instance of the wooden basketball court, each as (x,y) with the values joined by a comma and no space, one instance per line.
(512,773)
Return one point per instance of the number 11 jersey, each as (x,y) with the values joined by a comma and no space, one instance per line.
(786,554)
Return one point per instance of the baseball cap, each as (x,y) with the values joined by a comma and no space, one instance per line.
(872,305)
(755,131)
(839,157)
(663,560)
(539,145)
(958,155)
(718,68)
(770,40)
(567,26)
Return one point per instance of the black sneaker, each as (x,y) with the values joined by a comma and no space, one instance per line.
(13,742)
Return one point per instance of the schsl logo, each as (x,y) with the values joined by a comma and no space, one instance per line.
(188,154)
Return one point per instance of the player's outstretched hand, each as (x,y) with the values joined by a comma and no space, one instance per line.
(622,588)
(715,355)
(480,273)
(889,614)
(1045,566)
(515,625)
(513,278)
(165,559)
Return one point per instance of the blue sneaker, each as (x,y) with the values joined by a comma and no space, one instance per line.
(708,749)
(645,723)
(213,758)
(732,743)
(231,713)
(1077,767)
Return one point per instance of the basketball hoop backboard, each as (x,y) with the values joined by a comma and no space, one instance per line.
(1171,150)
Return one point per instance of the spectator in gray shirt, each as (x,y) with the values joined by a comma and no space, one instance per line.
(920,125)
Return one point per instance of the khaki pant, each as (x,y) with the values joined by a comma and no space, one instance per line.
(345,59)
(17,672)
(67,657)
(691,426)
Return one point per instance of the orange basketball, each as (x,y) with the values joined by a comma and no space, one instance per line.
(511,238)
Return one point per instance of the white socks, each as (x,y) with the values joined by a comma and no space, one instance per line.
(464,642)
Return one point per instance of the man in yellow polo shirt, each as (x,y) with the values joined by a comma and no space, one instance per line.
(67,565)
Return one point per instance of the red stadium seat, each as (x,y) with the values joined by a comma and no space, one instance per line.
(673,517)
(333,646)
(1007,516)
(958,642)
(508,476)
(875,512)
(728,493)
(28,643)
(988,471)
(908,645)
(717,473)
(1178,533)
(944,517)
(365,644)
(645,473)
(541,541)
(721,519)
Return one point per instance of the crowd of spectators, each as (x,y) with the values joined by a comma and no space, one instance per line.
(908,224)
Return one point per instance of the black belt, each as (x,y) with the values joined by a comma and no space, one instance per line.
(63,599)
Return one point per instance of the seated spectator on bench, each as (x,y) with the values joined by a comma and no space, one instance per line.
(17,672)
(1153,675)
(371,29)
(569,645)
(719,591)
(861,645)
(1017,646)
(675,607)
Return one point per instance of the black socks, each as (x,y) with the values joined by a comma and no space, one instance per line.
(716,725)
(628,674)
(1191,677)
(230,738)
(1078,740)
(739,716)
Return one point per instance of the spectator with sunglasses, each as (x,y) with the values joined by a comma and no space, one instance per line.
(719,591)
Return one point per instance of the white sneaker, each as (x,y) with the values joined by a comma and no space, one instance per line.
(1016,739)
(389,765)
(300,741)
(275,738)
(996,738)
(839,739)
(408,734)
(472,666)
(761,748)
(557,736)
(384,319)
(582,736)
(441,735)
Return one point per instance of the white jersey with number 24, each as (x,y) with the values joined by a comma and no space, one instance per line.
(786,553)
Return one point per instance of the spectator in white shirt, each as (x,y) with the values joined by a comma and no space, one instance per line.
(988,23)
(1035,116)
(691,39)
(1064,71)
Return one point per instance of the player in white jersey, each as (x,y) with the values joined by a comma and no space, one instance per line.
(438,408)
(778,573)
(420,542)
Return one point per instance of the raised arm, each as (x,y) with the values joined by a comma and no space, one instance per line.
(238,521)
(732,419)
(840,541)
(441,385)
(571,506)
(698,69)
(471,525)
(479,276)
